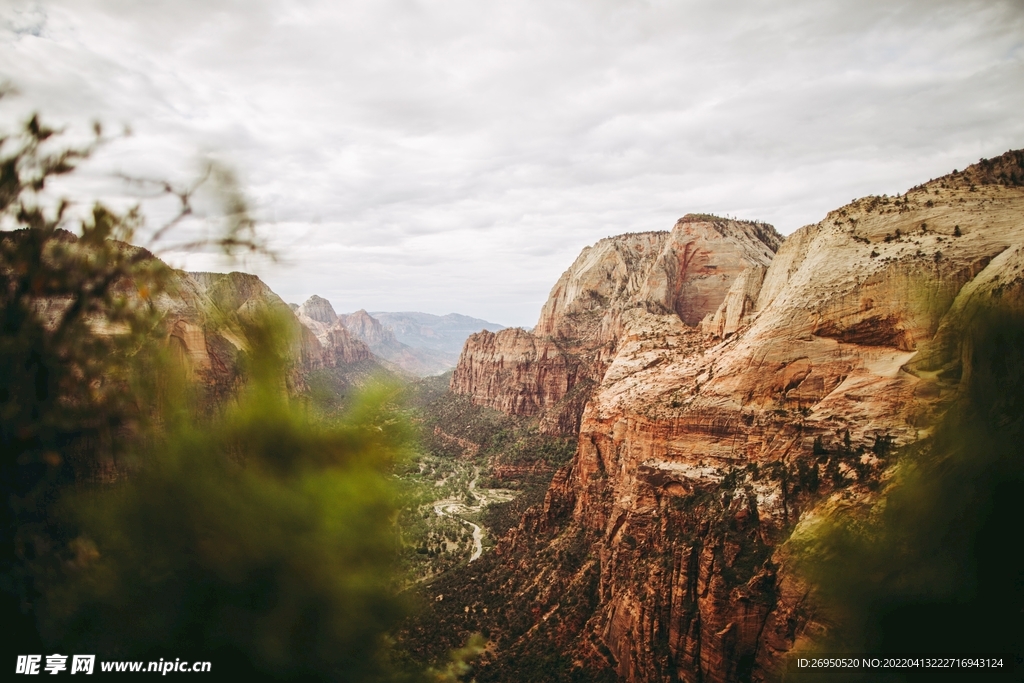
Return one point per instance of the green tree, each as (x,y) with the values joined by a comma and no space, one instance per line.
(61,381)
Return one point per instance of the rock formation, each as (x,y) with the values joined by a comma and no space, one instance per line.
(550,372)
(359,336)
(318,310)
(339,345)
(368,329)
(206,315)
(728,410)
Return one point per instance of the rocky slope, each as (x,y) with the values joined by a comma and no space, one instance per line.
(206,315)
(360,336)
(551,371)
(339,345)
(721,423)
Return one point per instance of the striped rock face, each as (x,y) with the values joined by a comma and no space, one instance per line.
(551,371)
(725,411)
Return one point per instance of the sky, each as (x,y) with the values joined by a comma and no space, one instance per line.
(456,155)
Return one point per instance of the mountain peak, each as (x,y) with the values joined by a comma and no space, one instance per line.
(319,309)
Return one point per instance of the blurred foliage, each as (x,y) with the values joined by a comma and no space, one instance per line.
(936,565)
(258,534)
(63,373)
(458,666)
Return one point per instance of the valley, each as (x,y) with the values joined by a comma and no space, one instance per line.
(621,492)
(726,391)
(471,467)
(613,494)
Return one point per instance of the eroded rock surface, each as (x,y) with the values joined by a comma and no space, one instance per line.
(551,371)
(339,345)
(717,425)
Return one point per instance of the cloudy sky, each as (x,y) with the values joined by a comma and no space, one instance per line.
(456,155)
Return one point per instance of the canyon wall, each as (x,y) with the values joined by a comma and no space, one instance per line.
(206,315)
(551,371)
(359,336)
(718,425)
(339,345)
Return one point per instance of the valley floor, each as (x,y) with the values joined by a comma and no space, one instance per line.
(473,470)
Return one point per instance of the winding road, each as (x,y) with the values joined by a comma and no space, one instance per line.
(454,508)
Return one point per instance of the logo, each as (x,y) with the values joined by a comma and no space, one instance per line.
(32,665)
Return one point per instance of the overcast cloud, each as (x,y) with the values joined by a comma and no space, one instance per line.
(456,155)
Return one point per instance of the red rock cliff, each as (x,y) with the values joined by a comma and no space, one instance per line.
(655,556)
(550,372)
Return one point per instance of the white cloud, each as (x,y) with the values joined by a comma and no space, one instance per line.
(456,155)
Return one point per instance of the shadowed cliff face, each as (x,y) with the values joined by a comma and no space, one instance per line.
(715,428)
(551,371)
(206,315)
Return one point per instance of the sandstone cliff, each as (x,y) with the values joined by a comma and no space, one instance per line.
(656,554)
(340,346)
(359,336)
(206,315)
(551,371)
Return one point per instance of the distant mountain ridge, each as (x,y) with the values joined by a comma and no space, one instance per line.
(421,344)
(445,333)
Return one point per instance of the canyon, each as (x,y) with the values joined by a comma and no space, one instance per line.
(206,313)
(725,386)
(206,316)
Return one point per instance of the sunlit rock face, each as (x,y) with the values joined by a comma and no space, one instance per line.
(719,422)
(516,372)
(551,371)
